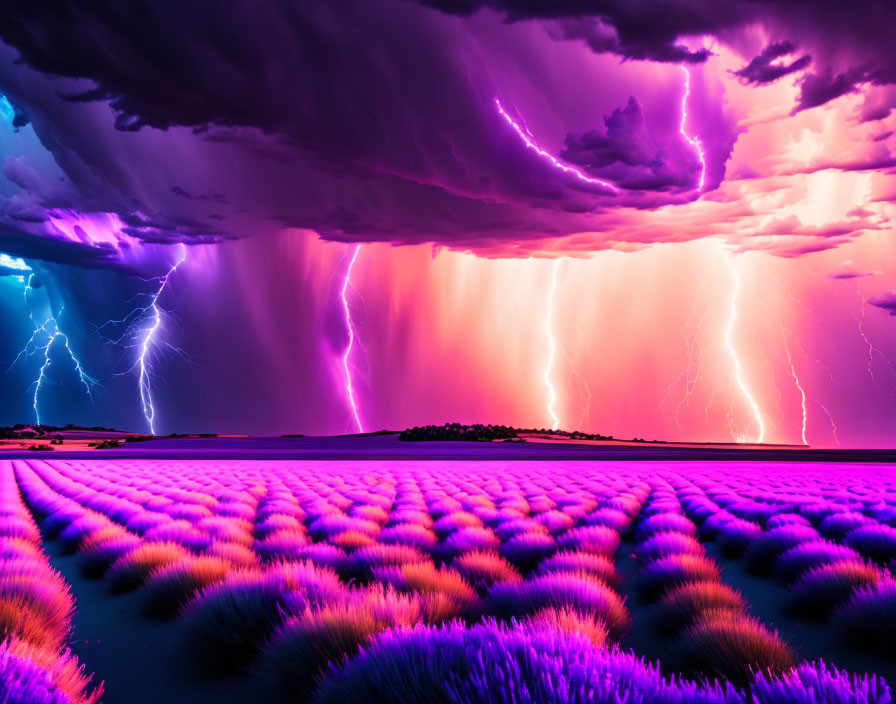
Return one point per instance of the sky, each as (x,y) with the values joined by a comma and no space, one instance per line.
(658,220)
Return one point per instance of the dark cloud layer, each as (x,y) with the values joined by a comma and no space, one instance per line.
(375,120)
(625,153)
(885,301)
(859,34)
(766,67)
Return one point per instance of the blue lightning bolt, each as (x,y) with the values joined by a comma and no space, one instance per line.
(142,327)
(47,334)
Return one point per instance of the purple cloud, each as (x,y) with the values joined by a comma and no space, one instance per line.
(763,68)
(818,89)
(885,301)
(848,270)
(626,154)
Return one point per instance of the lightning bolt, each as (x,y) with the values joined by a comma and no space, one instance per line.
(350,329)
(690,340)
(693,141)
(45,335)
(831,419)
(872,348)
(796,381)
(581,382)
(552,348)
(527,139)
(142,327)
(732,350)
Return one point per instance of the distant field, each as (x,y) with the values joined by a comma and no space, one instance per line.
(443,581)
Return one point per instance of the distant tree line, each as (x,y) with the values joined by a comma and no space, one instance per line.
(479,432)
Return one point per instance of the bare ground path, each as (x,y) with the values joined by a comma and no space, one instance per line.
(142,661)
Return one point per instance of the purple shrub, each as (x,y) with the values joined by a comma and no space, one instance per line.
(283,545)
(413,516)
(731,645)
(304,646)
(588,563)
(493,664)
(506,530)
(276,523)
(102,548)
(15,548)
(181,532)
(668,572)
(528,549)
(19,527)
(580,592)
(627,503)
(680,606)
(664,523)
(456,521)
(416,536)
(818,683)
(143,522)
(598,540)
(35,603)
(609,517)
(61,518)
(753,511)
(736,535)
(25,682)
(868,619)
(764,551)
(555,521)
(132,569)
(169,588)
(483,568)
(32,676)
(228,622)
(471,538)
(75,532)
(876,542)
(361,563)
(786,519)
(801,558)
(351,540)
(326,526)
(839,524)
(665,544)
(712,525)
(820,590)
(569,620)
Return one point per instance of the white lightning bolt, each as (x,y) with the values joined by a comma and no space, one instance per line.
(552,348)
(42,340)
(693,141)
(141,329)
(350,328)
(738,374)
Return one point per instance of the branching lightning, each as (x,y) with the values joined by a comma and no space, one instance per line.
(872,348)
(581,382)
(691,343)
(552,348)
(732,350)
(143,326)
(47,335)
(796,381)
(350,329)
(693,141)
(556,163)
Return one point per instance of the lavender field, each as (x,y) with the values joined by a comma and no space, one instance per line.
(438,581)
